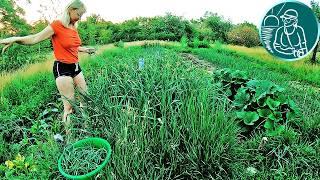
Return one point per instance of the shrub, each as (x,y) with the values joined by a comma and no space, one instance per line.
(184,41)
(196,43)
(119,44)
(244,35)
(219,26)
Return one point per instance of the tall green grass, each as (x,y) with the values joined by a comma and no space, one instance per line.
(164,121)
(23,96)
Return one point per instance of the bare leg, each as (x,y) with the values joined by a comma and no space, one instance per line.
(81,85)
(66,90)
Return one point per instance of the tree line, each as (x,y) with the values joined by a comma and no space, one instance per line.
(95,30)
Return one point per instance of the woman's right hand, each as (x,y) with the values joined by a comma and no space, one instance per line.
(7,42)
(91,50)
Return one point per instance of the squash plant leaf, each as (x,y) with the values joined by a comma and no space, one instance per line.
(272,104)
(241,98)
(264,112)
(248,117)
(268,124)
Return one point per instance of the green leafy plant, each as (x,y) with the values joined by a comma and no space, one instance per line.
(184,41)
(245,34)
(119,44)
(230,81)
(194,43)
(262,101)
(20,165)
(204,44)
(197,43)
(257,101)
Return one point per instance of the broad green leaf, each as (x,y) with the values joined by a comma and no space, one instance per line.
(240,114)
(277,131)
(262,85)
(252,85)
(293,106)
(268,124)
(276,88)
(290,115)
(261,102)
(218,72)
(219,84)
(282,99)
(278,116)
(262,89)
(239,75)
(260,93)
(275,116)
(248,117)
(241,98)
(272,104)
(264,112)
(280,129)
(272,117)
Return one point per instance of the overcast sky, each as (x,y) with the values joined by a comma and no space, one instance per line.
(119,10)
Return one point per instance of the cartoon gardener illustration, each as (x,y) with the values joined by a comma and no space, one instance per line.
(290,38)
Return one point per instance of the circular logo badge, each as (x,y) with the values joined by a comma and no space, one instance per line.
(289,30)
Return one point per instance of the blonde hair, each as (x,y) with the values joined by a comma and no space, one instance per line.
(74,4)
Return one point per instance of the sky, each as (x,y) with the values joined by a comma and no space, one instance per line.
(236,11)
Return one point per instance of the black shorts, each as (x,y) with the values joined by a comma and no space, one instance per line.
(63,69)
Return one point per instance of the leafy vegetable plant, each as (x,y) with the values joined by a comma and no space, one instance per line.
(257,101)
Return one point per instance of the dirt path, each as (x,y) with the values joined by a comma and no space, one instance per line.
(198,62)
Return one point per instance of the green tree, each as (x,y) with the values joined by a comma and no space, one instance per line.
(95,30)
(168,27)
(11,21)
(316,9)
(219,26)
(105,36)
(128,30)
(174,27)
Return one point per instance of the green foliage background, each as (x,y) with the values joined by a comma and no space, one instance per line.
(95,30)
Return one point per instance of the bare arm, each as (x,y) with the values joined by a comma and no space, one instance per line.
(28,40)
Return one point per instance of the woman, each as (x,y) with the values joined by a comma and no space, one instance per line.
(66,45)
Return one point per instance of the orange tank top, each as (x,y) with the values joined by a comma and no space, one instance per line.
(65,43)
